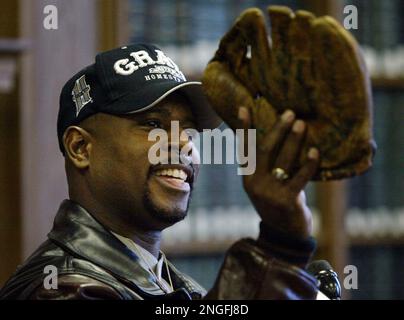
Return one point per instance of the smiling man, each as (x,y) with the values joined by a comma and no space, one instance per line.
(105,242)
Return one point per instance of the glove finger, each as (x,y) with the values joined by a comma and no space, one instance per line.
(291,148)
(258,54)
(281,18)
(342,94)
(246,50)
(301,82)
(338,70)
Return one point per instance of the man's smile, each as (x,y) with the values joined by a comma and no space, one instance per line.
(179,177)
(175,183)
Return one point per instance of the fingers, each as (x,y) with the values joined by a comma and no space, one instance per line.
(306,172)
(273,140)
(275,136)
(281,148)
(244,116)
(268,149)
(291,148)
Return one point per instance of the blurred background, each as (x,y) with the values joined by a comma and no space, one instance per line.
(358,222)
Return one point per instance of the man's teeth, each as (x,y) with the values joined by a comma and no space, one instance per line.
(176,173)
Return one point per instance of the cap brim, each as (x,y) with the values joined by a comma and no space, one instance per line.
(204,113)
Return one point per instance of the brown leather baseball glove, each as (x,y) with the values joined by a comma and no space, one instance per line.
(312,66)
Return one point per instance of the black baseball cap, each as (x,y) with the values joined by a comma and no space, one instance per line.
(127,80)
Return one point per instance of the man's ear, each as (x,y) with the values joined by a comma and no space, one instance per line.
(77,143)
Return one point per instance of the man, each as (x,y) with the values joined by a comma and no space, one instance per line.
(105,242)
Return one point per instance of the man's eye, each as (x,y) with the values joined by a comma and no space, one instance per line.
(153,123)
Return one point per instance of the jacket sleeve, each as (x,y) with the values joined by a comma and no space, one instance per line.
(256,269)
(76,287)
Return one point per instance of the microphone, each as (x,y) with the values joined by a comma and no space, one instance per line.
(327,278)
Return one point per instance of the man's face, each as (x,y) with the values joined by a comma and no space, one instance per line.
(121,175)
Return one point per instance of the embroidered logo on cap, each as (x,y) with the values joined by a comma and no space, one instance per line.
(81,94)
(166,68)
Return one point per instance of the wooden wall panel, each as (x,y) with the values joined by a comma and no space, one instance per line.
(10,245)
(55,56)
(113,23)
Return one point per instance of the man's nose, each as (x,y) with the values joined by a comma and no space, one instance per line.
(179,148)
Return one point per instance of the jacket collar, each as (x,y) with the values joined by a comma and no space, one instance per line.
(78,232)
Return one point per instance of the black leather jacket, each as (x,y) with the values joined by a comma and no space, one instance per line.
(93,264)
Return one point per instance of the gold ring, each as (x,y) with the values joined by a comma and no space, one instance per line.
(280,174)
